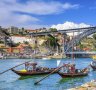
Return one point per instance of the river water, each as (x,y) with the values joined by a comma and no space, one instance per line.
(11,81)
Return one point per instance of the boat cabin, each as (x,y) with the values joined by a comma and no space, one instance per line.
(30,66)
(34,67)
(70,68)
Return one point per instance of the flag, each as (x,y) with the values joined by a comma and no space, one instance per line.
(58,62)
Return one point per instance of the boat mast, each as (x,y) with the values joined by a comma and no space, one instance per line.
(35,44)
(73,48)
(30,43)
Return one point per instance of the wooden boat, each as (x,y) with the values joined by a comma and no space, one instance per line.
(30,73)
(64,75)
(69,70)
(73,72)
(33,69)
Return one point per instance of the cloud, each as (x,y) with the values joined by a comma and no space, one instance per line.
(69,6)
(70,25)
(45,8)
(8,9)
(9,18)
(38,7)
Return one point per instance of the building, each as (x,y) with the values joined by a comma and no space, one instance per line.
(31,31)
(22,31)
(22,39)
(13,30)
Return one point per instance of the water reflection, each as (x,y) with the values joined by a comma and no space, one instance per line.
(32,77)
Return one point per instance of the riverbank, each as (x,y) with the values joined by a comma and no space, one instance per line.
(33,56)
(87,86)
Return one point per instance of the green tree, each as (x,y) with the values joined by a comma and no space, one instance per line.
(2,42)
(25,42)
(52,42)
(53,29)
(80,45)
(21,33)
(94,36)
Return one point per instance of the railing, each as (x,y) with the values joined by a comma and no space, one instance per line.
(61,31)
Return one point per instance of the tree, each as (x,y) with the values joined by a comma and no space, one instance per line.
(94,43)
(52,42)
(94,36)
(53,29)
(2,42)
(25,42)
(17,44)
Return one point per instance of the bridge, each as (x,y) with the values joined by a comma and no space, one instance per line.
(76,39)
(62,31)
(68,46)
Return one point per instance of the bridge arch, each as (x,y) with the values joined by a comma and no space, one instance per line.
(78,38)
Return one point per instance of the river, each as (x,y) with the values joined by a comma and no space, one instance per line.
(11,81)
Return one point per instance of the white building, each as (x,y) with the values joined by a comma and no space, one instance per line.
(21,39)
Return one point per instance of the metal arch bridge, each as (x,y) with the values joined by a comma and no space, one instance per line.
(68,46)
(62,31)
(76,39)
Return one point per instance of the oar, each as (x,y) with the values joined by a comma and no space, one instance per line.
(13,67)
(48,75)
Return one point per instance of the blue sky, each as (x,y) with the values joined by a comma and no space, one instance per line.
(45,13)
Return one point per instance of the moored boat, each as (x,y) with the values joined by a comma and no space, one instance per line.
(32,69)
(64,75)
(30,73)
(70,71)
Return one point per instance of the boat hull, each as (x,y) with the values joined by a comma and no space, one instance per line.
(32,73)
(64,75)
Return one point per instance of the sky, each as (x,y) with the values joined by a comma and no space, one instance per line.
(47,13)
